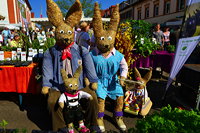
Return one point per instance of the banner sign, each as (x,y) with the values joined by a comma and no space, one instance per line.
(189,38)
(14,55)
(21,5)
(23,56)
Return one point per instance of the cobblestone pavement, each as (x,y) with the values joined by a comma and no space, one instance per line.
(35,116)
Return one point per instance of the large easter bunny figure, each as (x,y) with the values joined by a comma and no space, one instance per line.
(107,62)
(67,55)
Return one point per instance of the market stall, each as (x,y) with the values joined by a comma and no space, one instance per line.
(161,59)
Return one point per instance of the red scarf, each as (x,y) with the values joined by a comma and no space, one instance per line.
(66,52)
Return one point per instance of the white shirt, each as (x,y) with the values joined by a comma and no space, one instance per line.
(80,94)
(1,38)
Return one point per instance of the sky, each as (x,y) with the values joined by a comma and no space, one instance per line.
(37,4)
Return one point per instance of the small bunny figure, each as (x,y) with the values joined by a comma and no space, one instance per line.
(137,100)
(69,101)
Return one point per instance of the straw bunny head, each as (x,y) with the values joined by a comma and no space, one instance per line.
(71,84)
(64,28)
(105,39)
(143,80)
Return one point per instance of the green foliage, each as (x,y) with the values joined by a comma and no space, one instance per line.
(170,121)
(7,48)
(171,48)
(141,28)
(87,6)
(142,37)
(35,44)
(49,43)
(3,124)
(145,46)
(25,40)
(24,130)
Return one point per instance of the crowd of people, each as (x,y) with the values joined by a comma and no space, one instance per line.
(13,38)
(165,37)
(83,36)
(168,36)
(10,38)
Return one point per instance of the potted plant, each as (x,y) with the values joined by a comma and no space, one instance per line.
(171,48)
(135,37)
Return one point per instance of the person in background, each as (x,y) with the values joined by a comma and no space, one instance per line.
(41,36)
(12,35)
(16,42)
(51,32)
(6,35)
(77,30)
(90,31)
(83,37)
(92,43)
(158,34)
(33,35)
(166,35)
(1,39)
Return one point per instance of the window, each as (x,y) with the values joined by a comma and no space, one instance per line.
(139,14)
(156,10)
(167,7)
(147,12)
(128,14)
(181,5)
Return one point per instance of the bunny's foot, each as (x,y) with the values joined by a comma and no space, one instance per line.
(119,120)
(84,129)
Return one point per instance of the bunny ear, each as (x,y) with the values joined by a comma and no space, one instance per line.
(114,20)
(147,77)
(74,14)
(136,73)
(64,76)
(97,21)
(54,13)
(78,72)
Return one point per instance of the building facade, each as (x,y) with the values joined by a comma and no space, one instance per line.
(16,12)
(153,11)
(107,12)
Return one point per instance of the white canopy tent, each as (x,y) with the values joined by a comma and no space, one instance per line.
(45,21)
(12,27)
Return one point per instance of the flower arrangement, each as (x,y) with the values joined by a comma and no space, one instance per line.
(125,44)
(135,36)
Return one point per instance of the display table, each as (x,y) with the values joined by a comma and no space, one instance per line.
(161,59)
(19,80)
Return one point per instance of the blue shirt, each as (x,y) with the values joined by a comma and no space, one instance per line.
(6,33)
(52,64)
(106,69)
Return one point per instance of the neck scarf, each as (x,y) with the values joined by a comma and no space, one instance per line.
(66,52)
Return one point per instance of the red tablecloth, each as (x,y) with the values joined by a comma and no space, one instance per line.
(18,79)
(161,59)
